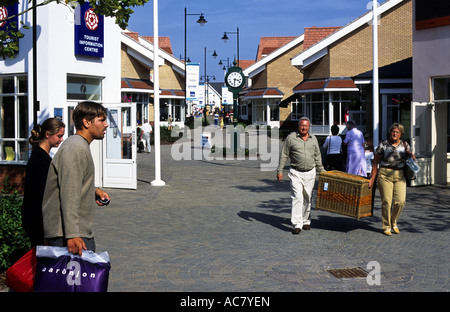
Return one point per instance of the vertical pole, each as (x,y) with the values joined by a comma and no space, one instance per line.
(376,119)
(35,101)
(157,181)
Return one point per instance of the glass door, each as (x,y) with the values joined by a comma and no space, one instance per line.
(119,145)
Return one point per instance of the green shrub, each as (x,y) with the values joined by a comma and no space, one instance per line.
(14,243)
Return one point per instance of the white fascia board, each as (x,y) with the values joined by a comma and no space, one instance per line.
(263,97)
(299,60)
(145,51)
(176,63)
(148,63)
(315,57)
(133,90)
(255,72)
(328,90)
(385,80)
(249,71)
(171,97)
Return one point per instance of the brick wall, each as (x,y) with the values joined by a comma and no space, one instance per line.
(352,54)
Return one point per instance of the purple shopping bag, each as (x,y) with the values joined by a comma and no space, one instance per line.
(58,270)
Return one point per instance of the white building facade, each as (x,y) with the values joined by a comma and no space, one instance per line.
(431,93)
(78,58)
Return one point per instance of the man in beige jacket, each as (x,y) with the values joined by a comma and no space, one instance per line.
(69,200)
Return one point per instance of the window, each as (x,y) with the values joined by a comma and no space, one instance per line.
(141,100)
(84,88)
(298,110)
(441,89)
(317,108)
(14,118)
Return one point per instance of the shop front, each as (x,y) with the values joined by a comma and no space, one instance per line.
(264,105)
(73,65)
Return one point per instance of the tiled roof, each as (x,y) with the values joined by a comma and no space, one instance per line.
(246,63)
(261,93)
(322,84)
(164,43)
(136,83)
(172,93)
(269,44)
(315,34)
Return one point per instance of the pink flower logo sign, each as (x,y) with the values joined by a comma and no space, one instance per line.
(91,19)
(3,16)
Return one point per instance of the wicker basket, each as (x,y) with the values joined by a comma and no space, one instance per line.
(345,194)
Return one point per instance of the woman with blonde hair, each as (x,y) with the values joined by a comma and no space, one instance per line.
(43,138)
(391,155)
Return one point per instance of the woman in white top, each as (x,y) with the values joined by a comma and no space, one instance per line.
(332,147)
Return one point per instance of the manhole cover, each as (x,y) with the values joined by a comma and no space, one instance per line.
(348,273)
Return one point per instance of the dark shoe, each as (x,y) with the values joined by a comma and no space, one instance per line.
(307,227)
(296,231)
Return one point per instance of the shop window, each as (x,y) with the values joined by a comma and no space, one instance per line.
(297,110)
(14,130)
(82,88)
(317,108)
(141,100)
(175,108)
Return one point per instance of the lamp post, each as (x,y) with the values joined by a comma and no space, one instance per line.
(225,68)
(214,55)
(157,181)
(201,20)
(225,39)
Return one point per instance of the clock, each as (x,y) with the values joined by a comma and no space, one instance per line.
(235,79)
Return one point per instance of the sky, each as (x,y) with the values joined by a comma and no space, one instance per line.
(254,18)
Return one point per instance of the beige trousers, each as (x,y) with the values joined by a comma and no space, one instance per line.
(392,186)
(302,185)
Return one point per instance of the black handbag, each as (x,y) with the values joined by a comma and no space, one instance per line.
(409,173)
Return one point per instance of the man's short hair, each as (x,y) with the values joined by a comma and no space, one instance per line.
(304,118)
(88,110)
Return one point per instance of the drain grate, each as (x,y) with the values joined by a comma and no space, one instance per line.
(348,273)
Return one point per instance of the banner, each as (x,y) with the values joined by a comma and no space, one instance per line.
(227,96)
(89,31)
(192,79)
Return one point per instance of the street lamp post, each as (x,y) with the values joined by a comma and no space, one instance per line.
(201,20)
(225,39)
(214,55)
(225,68)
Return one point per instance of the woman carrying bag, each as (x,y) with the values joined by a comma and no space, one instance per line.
(391,156)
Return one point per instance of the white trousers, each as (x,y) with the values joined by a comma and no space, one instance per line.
(146,138)
(302,185)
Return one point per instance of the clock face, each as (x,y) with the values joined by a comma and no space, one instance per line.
(235,79)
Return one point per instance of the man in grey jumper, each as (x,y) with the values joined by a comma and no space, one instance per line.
(69,200)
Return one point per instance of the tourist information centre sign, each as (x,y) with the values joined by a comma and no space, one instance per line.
(89,32)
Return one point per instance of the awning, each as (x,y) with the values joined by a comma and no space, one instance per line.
(136,85)
(172,94)
(326,85)
(267,93)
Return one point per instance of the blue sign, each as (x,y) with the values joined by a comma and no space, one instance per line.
(8,11)
(89,32)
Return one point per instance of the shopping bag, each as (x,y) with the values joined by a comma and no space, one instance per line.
(58,270)
(21,275)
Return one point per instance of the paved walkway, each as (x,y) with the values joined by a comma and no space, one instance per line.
(223,225)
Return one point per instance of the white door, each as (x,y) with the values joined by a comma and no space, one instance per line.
(119,146)
(423,139)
